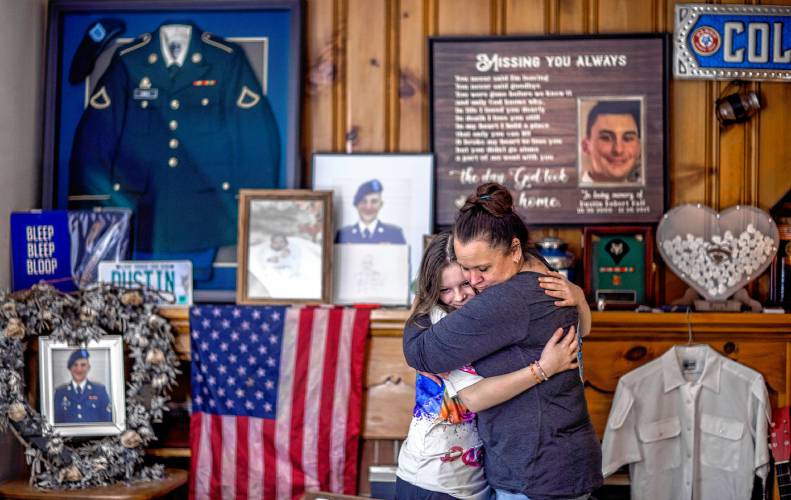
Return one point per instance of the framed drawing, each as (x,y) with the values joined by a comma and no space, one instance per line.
(574,126)
(379,199)
(285,247)
(82,388)
(169,109)
(619,265)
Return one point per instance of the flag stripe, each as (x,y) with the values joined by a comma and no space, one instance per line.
(270,463)
(354,416)
(328,387)
(228,457)
(255,475)
(215,485)
(340,406)
(284,396)
(195,423)
(302,358)
(203,478)
(313,392)
(242,456)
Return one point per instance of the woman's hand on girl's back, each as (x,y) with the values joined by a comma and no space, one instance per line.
(558,286)
(560,353)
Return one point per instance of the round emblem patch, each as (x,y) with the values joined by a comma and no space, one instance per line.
(705,40)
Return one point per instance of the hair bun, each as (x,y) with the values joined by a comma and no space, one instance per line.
(491,197)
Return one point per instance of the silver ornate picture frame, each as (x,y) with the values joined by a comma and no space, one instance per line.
(82,388)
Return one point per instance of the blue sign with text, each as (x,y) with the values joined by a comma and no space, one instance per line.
(40,244)
(733,41)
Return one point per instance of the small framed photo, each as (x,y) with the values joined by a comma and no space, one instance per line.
(82,388)
(619,265)
(379,199)
(285,247)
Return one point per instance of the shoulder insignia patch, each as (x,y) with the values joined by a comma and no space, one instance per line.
(206,37)
(247,98)
(144,39)
(100,100)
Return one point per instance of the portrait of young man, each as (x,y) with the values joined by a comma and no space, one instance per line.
(368,228)
(611,148)
(81,400)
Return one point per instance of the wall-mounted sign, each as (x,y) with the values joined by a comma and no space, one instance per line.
(171,278)
(40,245)
(724,42)
(573,126)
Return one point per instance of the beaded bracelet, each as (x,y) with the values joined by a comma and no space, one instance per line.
(535,375)
(541,371)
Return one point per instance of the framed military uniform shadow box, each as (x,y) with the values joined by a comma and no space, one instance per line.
(169,109)
(619,266)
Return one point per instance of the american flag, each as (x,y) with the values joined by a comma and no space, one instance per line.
(276,400)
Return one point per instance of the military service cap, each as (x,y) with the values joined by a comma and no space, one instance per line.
(97,37)
(78,354)
(366,188)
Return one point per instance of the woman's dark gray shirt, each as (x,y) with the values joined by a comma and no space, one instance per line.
(540,443)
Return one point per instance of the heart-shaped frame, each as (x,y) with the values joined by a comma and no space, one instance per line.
(77,320)
(717,254)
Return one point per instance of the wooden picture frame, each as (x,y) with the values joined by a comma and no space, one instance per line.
(280,234)
(609,265)
(78,415)
(529,113)
(209,146)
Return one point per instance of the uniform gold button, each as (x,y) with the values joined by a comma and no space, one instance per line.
(205,101)
(196,57)
(144,104)
(173,143)
(116,187)
(152,58)
(173,162)
(173,124)
(226,186)
(174,104)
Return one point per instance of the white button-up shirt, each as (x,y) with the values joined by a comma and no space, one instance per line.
(691,423)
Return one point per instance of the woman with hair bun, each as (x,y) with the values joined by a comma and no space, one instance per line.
(540,445)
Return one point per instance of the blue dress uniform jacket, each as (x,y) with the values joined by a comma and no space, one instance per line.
(382,233)
(175,144)
(93,405)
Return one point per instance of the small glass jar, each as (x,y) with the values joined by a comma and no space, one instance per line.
(556,253)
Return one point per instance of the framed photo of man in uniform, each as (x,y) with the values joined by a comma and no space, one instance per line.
(82,388)
(169,109)
(285,247)
(379,199)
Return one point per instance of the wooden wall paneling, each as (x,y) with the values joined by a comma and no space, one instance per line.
(690,159)
(390,390)
(625,16)
(527,17)
(324,44)
(412,64)
(774,144)
(571,16)
(465,17)
(731,158)
(367,80)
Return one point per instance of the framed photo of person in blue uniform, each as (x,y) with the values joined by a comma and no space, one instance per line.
(82,387)
(169,109)
(380,199)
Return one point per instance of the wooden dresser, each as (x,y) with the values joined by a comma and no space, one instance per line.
(618,343)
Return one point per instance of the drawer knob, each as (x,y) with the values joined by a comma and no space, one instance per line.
(636,353)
